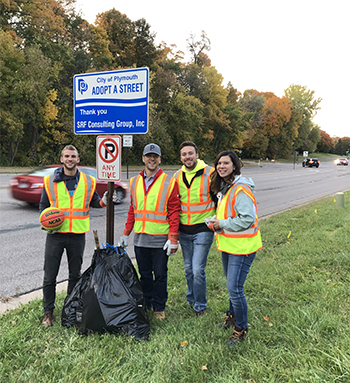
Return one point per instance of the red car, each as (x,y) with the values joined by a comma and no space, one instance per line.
(28,187)
(342,161)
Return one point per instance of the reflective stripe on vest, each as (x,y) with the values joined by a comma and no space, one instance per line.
(196,201)
(238,242)
(151,208)
(75,208)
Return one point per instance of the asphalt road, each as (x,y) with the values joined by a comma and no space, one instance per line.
(278,187)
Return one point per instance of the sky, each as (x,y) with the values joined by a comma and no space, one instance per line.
(267,45)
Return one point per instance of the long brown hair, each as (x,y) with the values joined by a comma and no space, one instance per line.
(216,180)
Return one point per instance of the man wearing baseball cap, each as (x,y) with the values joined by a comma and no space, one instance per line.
(154,216)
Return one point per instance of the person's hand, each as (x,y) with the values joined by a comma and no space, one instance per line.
(213,224)
(172,244)
(123,242)
(49,231)
(104,198)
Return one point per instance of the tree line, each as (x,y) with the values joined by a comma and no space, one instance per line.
(44,43)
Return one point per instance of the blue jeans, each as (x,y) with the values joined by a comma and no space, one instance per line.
(236,268)
(153,267)
(195,250)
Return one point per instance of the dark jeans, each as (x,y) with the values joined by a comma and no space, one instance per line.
(153,267)
(54,247)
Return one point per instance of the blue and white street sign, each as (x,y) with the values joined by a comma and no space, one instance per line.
(111,102)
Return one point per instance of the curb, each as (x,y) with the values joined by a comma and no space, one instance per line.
(15,302)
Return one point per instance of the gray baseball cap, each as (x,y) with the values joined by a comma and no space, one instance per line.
(152,148)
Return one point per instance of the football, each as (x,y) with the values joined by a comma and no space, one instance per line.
(51,218)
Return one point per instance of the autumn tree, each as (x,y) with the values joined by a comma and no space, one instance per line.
(325,144)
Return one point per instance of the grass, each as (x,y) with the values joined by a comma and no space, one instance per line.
(298,294)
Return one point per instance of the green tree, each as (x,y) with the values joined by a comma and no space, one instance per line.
(305,103)
(164,86)
(25,98)
(184,119)
(233,138)
(282,143)
(12,130)
(233,94)
(121,32)
(342,147)
(145,51)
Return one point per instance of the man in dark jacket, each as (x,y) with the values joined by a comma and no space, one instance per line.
(72,192)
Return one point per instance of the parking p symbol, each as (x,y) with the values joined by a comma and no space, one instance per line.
(109,149)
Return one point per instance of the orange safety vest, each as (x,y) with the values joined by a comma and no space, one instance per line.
(237,242)
(196,201)
(75,208)
(151,208)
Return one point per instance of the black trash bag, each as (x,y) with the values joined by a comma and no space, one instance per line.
(108,297)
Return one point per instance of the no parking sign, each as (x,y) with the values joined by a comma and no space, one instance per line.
(108,158)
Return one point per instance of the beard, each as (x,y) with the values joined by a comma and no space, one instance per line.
(71,167)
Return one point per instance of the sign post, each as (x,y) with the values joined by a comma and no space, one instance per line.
(127,143)
(108,164)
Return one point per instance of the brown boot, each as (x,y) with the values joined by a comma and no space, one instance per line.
(237,336)
(200,313)
(48,319)
(160,315)
(229,321)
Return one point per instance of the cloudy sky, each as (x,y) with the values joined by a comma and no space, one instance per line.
(266,45)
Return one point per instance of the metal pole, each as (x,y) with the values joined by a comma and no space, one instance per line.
(110,214)
(127,163)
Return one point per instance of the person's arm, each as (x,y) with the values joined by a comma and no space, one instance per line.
(129,225)
(174,207)
(96,201)
(245,215)
(44,201)
(172,244)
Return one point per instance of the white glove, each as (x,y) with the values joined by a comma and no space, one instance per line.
(104,198)
(123,241)
(172,244)
(170,248)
